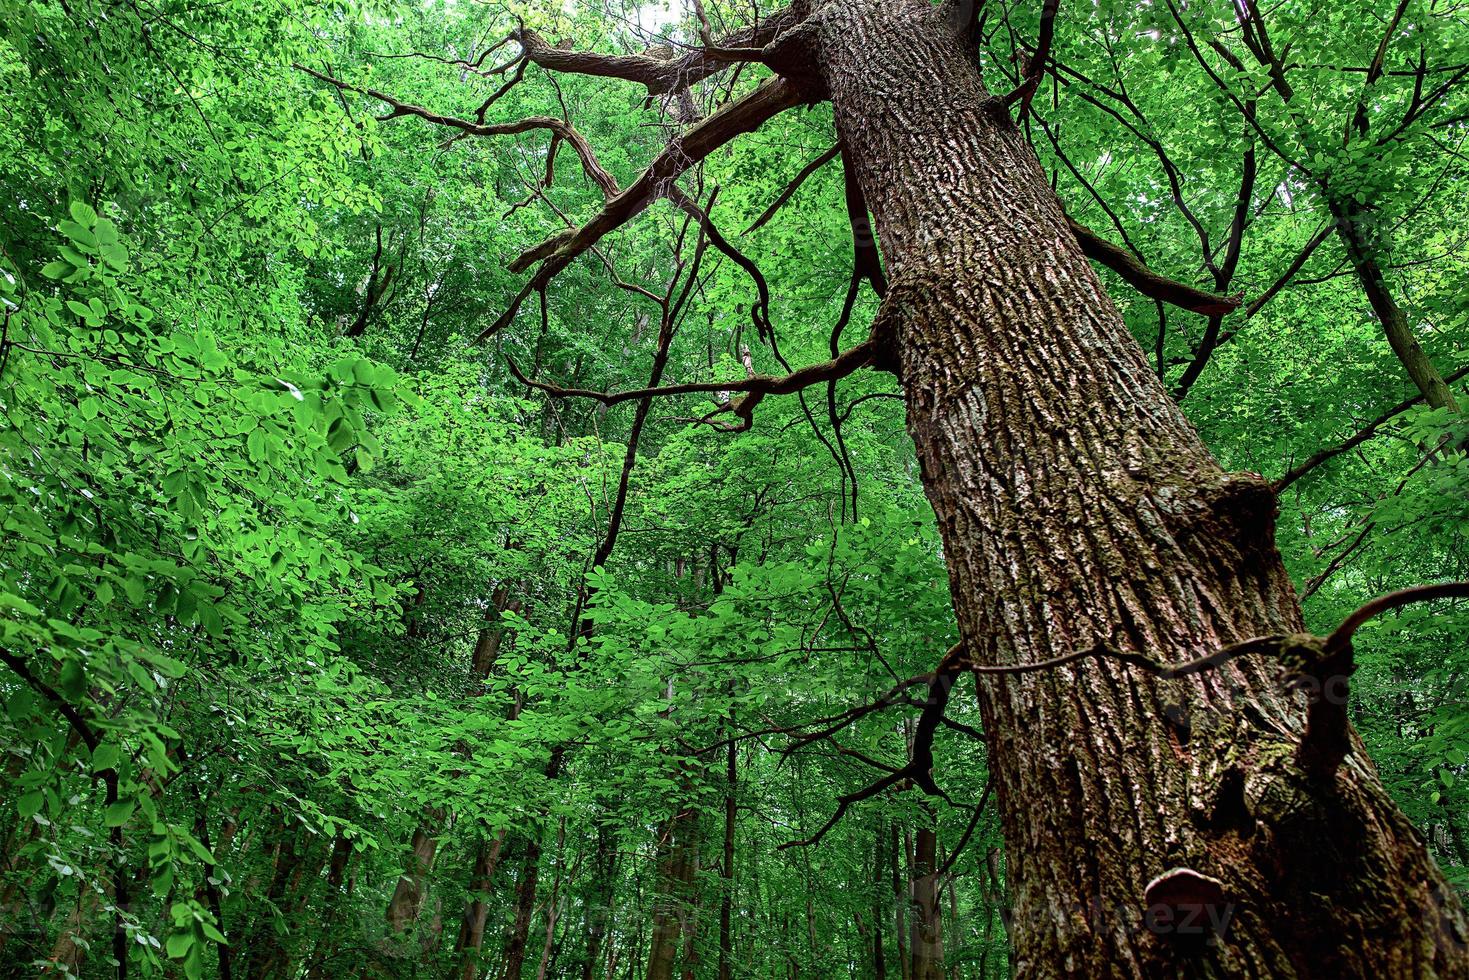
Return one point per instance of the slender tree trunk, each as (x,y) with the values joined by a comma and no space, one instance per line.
(553,905)
(727,870)
(900,901)
(1077,507)
(879,956)
(525,906)
(525,889)
(476,910)
(407,900)
(327,937)
(1352,225)
(674,906)
(599,898)
(927,940)
(209,889)
(266,954)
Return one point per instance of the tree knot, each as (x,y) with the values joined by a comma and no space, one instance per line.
(1186,907)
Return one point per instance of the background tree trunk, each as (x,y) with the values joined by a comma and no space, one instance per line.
(927,944)
(408,894)
(673,904)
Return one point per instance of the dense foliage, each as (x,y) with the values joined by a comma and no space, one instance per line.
(307,668)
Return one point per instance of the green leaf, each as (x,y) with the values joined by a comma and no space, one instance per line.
(119,812)
(194,963)
(11,601)
(72,680)
(30,804)
(180,943)
(105,756)
(83,214)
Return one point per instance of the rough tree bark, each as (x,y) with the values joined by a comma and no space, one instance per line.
(1077,507)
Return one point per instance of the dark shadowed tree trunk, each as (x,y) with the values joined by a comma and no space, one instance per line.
(1077,507)
(879,926)
(476,910)
(727,868)
(598,910)
(900,899)
(266,954)
(525,889)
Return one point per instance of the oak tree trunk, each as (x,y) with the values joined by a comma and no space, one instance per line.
(1078,507)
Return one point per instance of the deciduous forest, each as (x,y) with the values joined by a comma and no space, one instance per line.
(838,488)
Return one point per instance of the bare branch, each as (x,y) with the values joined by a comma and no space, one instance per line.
(1224,272)
(1361,436)
(754,387)
(559,127)
(1145,280)
(978,812)
(793,186)
(1290,273)
(739,117)
(1341,637)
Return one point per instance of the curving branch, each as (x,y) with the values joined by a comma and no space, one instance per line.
(754,387)
(1145,280)
(1341,637)
(560,128)
(1319,665)
(744,115)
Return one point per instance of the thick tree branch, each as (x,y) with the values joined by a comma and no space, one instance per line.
(659,75)
(1035,69)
